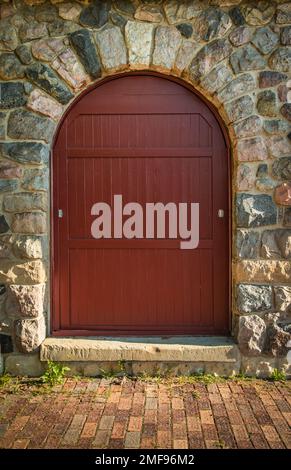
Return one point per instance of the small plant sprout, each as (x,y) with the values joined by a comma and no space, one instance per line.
(54,374)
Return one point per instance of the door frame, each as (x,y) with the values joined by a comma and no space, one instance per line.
(54,320)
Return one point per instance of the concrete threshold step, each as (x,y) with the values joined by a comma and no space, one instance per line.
(177,349)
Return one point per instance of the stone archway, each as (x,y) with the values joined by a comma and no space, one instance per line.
(239,63)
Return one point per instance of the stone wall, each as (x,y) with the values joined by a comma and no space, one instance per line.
(236,53)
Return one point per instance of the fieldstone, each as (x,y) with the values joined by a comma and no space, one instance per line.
(286,36)
(210,55)
(4,227)
(10,67)
(262,170)
(69,11)
(27,125)
(186,29)
(29,334)
(252,335)
(278,146)
(70,70)
(286,111)
(96,14)
(277,339)
(8,185)
(125,6)
(255,210)
(25,301)
(246,58)
(2,123)
(12,95)
(238,86)
(259,13)
(269,79)
(61,27)
(252,298)
(240,36)
(283,194)
(265,184)
(276,126)
(276,244)
(212,23)
(239,108)
(28,247)
(182,10)
(8,36)
(139,41)
(287,217)
(217,78)
(280,60)
(283,299)
(283,238)
(249,127)
(27,272)
(5,252)
(152,14)
(267,103)
(29,222)
(237,16)
(265,40)
(83,44)
(245,177)
(32,30)
(44,104)
(283,13)
(46,13)
(282,92)
(24,54)
(167,43)
(23,202)
(112,48)
(185,54)
(118,20)
(43,76)
(10,170)
(25,152)
(36,179)
(247,244)
(251,150)
(282,168)
(24,365)
(47,49)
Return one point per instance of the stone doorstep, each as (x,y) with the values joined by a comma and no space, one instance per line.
(171,349)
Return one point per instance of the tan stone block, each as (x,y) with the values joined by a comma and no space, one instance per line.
(263,271)
(29,272)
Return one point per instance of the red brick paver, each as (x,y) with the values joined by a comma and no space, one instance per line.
(124,413)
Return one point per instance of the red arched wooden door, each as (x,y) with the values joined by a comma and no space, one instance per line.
(148,139)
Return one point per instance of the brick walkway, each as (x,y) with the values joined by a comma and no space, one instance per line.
(103,413)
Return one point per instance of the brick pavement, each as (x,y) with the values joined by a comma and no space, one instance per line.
(124,413)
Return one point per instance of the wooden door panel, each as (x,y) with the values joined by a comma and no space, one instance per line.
(150,140)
